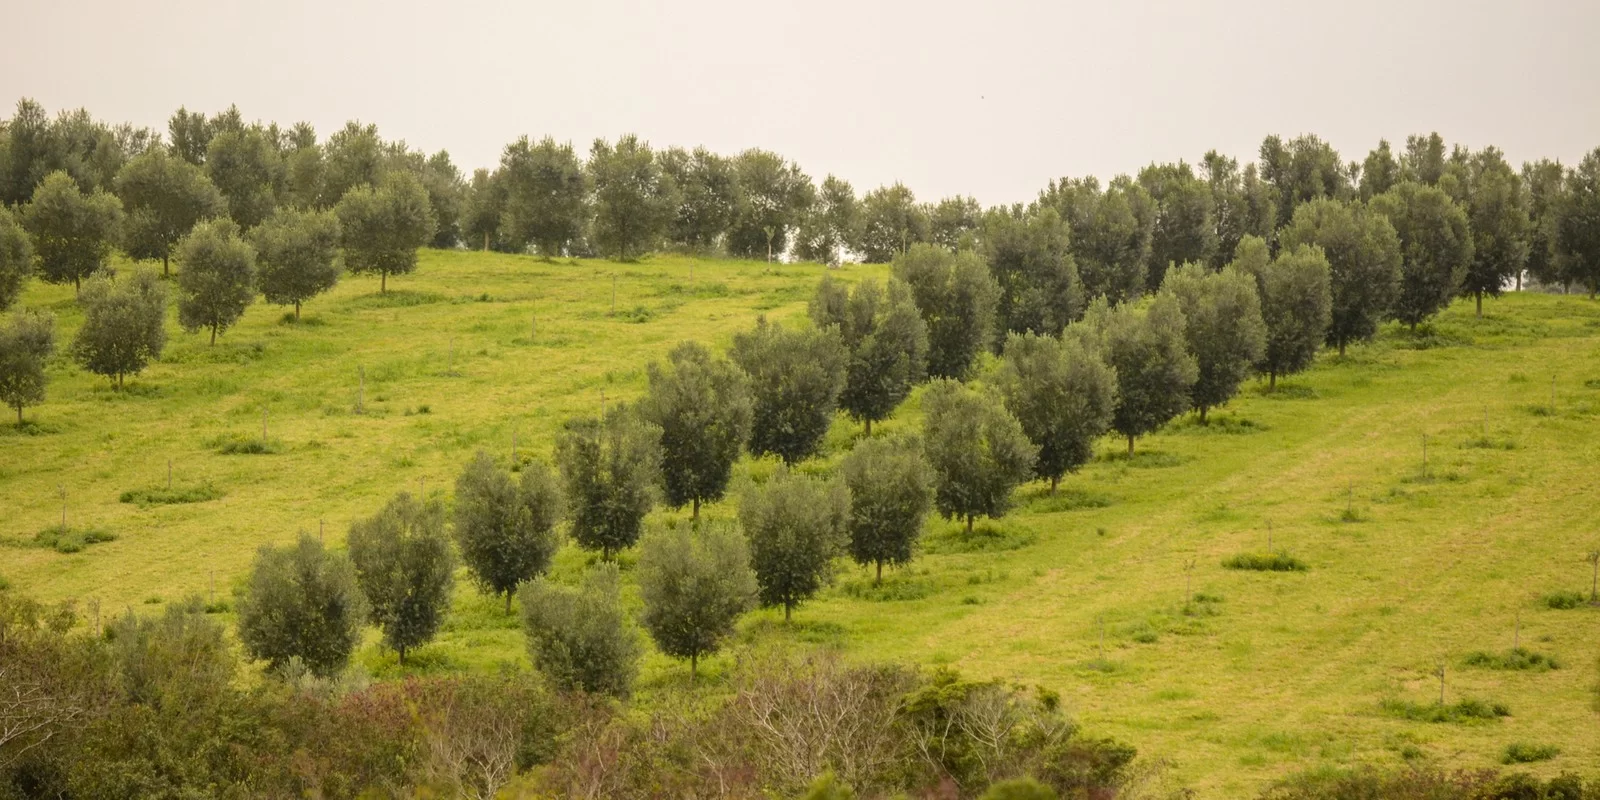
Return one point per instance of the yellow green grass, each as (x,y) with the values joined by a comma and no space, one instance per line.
(1264,674)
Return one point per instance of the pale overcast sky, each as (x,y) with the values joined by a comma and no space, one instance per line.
(984,98)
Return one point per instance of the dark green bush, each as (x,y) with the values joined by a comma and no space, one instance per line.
(1266,562)
(1563,601)
(1524,753)
(160,496)
(1519,658)
(1460,712)
(67,539)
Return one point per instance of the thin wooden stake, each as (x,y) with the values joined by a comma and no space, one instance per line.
(169,474)
(1424,455)
(1102,638)
(263,424)
(321,524)
(1552,393)
(1516,634)
(1269,536)
(613,294)
(63,489)
(1441,681)
(361,388)
(513,444)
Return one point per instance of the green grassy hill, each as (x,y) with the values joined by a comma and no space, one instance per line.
(1259,675)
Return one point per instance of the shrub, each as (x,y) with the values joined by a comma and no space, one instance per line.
(65,539)
(302,602)
(580,637)
(1524,753)
(1266,562)
(1563,601)
(238,444)
(1461,712)
(1519,658)
(162,496)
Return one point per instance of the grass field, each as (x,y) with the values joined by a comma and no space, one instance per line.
(1258,674)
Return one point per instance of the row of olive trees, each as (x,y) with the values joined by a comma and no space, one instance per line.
(220,165)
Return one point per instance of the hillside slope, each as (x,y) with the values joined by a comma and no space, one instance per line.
(1083,592)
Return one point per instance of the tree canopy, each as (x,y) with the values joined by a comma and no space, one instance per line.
(382,228)
(123,324)
(957,297)
(506,529)
(796,526)
(1363,253)
(704,409)
(694,584)
(1062,393)
(886,339)
(218,279)
(163,197)
(609,468)
(1223,326)
(1148,351)
(1030,256)
(301,602)
(977,449)
(405,567)
(795,378)
(891,492)
(296,256)
(72,232)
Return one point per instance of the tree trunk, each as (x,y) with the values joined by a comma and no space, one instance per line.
(788,610)
(605,552)
(164,271)
(485,241)
(213,336)
(1480,305)
(1519,280)
(694,664)
(1341,348)
(969,523)
(1055,480)
(1203,410)
(869,427)
(696,505)
(77,285)
(508,601)
(119,381)
(297,311)
(402,652)
(1272,380)
(19,416)
(1130,445)
(383,282)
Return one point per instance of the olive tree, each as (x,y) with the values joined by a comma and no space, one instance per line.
(1435,248)
(1578,225)
(26,342)
(891,492)
(978,451)
(381,228)
(218,279)
(1062,393)
(957,297)
(796,526)
(541,192)
(634,199)
(1155,372)
(890,221)
(579,637)
(296,256)
(1296,304)
(609,467)
(694,586)
(1363,255)
(704,410)
(1029,253)
(506,529)
(405,568)
(1497,207)
(72,232)
(16,258)
(795,377)
(887,341)
(1223,326)
(123,324)
(301,602)
(164,197)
